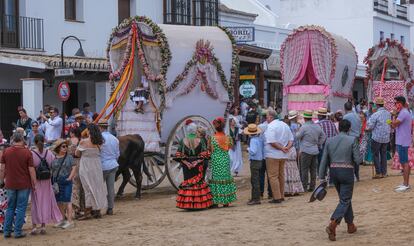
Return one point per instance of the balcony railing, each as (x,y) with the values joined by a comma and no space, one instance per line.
(381,6)
(21,32)
(402,12)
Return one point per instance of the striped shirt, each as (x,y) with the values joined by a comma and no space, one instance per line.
(378,124)
(329,128)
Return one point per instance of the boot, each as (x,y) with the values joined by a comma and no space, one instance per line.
(352,228)
(331,230)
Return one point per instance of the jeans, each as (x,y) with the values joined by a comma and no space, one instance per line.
(109,179)
(379,150)
(262,180)
(343,179)
(308,164)
(255,167)
(16,205)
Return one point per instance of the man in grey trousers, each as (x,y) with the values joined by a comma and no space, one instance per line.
(109,159)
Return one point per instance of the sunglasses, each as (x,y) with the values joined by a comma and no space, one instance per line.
(35,125)
(51,112)
(63,146)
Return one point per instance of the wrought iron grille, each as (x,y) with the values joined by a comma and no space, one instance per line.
(177,12)
(191,12)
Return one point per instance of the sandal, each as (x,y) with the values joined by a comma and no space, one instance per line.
(85,217)
(33,232)
(43,231)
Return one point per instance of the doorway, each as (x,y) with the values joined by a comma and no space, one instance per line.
(9,101)
(73,101)
(9,10)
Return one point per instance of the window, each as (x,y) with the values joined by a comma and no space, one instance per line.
(392,36)
(191,12)
(381,36)
(74,10)
(205,13)
(177,12)
(124,7)
(402,39)
(70,9)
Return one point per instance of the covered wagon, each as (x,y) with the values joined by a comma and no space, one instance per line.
(162,76)
(318,69)
(389,72)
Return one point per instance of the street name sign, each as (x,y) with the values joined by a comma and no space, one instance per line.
(63,72)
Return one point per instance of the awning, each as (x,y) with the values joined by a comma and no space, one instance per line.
(41,61)
(253,54)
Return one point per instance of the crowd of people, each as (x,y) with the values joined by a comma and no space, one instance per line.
(66,177)
(73,177)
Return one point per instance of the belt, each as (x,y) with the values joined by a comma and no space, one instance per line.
(341,165)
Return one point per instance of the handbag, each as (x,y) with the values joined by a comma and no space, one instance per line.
(55,185)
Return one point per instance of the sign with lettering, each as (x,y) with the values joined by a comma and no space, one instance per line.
(63,72)
(64,91)
(247,89)
(242,34)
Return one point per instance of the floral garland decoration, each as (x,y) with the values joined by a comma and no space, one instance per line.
(391,43)
(319,29)
(129,26)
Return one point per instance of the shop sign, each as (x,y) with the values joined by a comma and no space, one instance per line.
(242,34)
(63,72)
(247,89)
(64,91)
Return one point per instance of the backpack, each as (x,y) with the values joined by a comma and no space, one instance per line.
(43,171)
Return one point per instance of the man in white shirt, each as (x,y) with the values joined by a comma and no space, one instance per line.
(52,127)
(279,139)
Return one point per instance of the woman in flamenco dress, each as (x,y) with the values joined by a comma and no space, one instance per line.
(194,193)
(221,183)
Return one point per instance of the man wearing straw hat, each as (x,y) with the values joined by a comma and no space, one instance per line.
(328,127)
(109,158)
(310,136)
(381,130)
(256,157)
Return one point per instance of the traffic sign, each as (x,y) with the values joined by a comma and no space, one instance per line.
(63,72)
(64,91)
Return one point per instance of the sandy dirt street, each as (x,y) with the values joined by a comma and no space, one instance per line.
(383,217)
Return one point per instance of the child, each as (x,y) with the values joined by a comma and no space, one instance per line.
(140,95)
(256,156)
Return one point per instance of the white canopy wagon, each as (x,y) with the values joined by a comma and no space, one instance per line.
(185,72)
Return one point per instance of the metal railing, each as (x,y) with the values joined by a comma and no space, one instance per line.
(21,32)
(402,12)
(381,6)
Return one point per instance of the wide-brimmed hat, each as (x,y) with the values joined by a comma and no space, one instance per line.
(58,143)
(79,115)
(319,193)
(322,111)
(292,114)
(252,129)
(379,100)
(307,114)
(103,123)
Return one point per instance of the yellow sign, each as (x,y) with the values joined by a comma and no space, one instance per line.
(247,77)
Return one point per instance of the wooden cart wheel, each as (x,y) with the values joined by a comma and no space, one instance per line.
(156,168)
(174,169)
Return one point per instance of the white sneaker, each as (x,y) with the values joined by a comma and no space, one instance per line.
(60,224)
(398,186)
(403,188)
(68,225)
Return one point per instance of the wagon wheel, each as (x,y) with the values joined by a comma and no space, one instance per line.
(154,163)
(174,169)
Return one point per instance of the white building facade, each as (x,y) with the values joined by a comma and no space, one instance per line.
(30,46)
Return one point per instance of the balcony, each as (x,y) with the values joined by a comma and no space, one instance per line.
(402,12)
(381,6)
(21,32)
